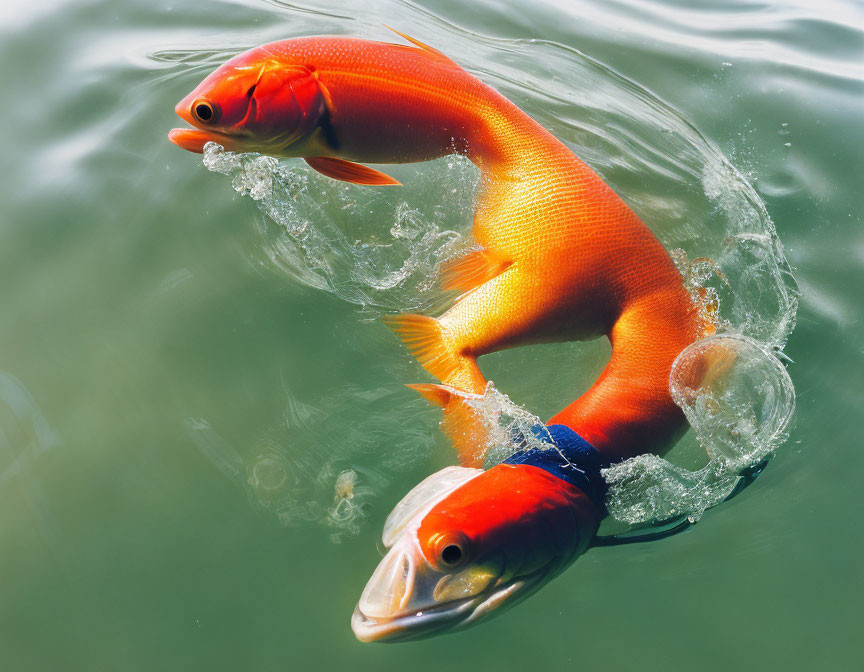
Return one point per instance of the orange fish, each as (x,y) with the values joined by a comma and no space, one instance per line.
(560,257)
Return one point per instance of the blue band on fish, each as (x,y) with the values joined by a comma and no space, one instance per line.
(570,457)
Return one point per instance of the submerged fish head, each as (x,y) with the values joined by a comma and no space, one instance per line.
(257,101)
(466,543)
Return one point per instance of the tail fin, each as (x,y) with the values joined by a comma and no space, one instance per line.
(422,336)
(462,424)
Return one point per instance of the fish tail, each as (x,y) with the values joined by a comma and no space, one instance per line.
(424,339)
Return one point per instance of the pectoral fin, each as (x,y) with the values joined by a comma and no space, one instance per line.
(348,171)
(472,270)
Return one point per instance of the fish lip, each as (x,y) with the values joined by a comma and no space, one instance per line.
(416,625)
(413,625)
(194,139)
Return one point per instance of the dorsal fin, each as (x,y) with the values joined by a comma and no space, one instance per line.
(425,47)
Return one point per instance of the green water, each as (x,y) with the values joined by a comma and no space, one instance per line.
(177,400)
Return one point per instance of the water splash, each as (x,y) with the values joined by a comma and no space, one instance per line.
(386,265)
(739,400)
(758,293)
(509,426)
(696,273)
(737,395)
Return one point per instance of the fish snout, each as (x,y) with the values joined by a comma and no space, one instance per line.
(183,109)
(190,139)
(389,589)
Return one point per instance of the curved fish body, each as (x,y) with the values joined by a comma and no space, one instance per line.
(560,257)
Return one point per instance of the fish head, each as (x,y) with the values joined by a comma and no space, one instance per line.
(466,543)
(260,100)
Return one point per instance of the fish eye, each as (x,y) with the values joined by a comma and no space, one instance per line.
(451,554)
(450,550)
(204,111)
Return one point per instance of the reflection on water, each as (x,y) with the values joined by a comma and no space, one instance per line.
(25,436)
(24,432)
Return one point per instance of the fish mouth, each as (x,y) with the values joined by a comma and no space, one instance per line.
(452,616)
(193,139)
